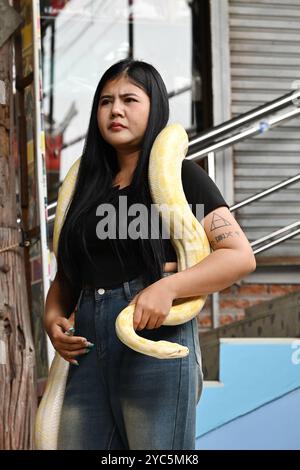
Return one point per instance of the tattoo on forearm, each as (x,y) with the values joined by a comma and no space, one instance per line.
(218,221)
(223,236)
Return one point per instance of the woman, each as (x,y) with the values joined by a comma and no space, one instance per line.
(115,397)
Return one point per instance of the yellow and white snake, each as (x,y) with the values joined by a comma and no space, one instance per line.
(192,246)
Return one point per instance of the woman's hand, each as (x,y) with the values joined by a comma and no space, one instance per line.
(152,305)
(60,331)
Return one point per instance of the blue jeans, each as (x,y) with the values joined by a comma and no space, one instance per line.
(120,399)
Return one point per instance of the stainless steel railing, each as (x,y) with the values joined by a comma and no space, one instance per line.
(253,128)
(234,131)
(205,138)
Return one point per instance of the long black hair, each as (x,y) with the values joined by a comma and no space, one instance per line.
(99,165)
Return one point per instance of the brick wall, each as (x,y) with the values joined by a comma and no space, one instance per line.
(235,299)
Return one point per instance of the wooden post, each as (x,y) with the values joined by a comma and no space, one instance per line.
(17,355)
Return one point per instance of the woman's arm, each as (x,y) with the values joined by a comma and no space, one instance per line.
(231,260)
(60,304)
(61,299)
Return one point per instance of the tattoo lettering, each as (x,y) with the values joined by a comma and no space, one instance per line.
(223,236)
(218,221)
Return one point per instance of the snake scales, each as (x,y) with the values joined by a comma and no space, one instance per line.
(167,154)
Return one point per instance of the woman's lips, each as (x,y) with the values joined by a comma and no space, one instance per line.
(117,128)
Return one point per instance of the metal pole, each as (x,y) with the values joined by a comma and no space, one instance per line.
(211,165)
(274,234)
(259,112)
(264,193)
(257,128)
(39,143)
(130,30)
(276,242)
(215,309)
(215,297)
(51,92)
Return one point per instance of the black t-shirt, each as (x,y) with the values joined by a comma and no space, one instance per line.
(105,269)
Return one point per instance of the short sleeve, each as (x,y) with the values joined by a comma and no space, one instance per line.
(199,188)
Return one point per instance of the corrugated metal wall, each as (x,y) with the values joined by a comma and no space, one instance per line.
(265,60)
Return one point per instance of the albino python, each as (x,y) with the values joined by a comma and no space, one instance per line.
(167,154)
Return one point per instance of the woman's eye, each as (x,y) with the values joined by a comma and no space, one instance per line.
(103,102)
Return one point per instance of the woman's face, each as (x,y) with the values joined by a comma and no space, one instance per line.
(124,103)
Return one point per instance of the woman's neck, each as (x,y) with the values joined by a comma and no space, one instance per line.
(127,164)
(122,178)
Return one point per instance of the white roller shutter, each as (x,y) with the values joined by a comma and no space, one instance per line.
(265,61)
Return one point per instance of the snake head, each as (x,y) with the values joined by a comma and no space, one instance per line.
(170,350)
